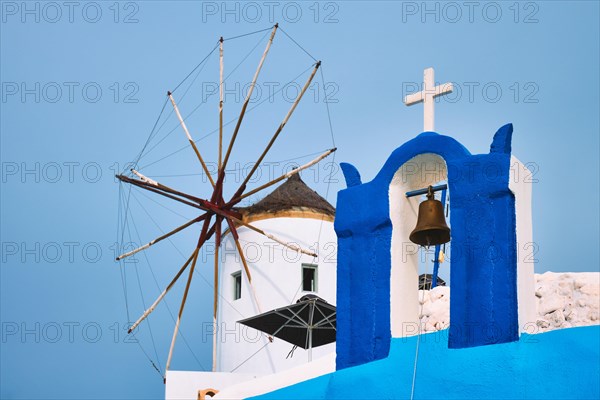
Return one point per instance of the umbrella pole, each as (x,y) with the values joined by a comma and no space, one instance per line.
(310,344)
(310,329)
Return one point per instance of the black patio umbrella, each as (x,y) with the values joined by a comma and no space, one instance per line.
(308,323)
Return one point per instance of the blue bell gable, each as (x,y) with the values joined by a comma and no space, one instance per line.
(483,271)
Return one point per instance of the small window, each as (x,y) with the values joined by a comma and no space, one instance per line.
(309,277)
(237,285)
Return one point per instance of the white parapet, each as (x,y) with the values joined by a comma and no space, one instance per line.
(185,385)
(269,383)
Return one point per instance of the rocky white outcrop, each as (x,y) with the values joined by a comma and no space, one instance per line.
(435,308)
(564,300)
(567,299)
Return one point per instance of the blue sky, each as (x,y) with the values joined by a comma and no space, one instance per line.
(82,85)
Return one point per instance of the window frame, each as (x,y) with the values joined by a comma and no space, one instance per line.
(315,268)
(237,275)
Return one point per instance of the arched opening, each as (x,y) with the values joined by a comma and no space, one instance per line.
(408,261)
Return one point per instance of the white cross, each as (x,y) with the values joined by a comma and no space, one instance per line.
(427,95)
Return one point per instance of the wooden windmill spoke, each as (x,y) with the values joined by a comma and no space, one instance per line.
(169,286)
(236,239)
(285,120)
(147,182)
(164,191)
(221,95)
(158,239)
(244,263)
(217,195)
(216,269)
(162,295)
(204,235)
(144,178)
(192,143)
(203,204)
(284,176)
(280,241)
(247,100)
(216,289)
(237,197)
(185,293)
(172,193)
(159,185)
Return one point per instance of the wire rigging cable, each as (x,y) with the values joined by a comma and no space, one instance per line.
(205,61)
(123,277)
(297,44)
(227,123)
(173,111)
(125,217)
(156,280)
(165,207)
(235,170)
(158,286)
(119,242)
(196,67)
(142,297)
(149,137)
(248,34)
(329,180)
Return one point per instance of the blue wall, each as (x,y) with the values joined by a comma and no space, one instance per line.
(483,269)
(562,364)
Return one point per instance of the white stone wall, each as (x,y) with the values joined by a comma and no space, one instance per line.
(564,300)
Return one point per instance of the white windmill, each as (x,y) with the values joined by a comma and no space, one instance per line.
(266,255)
(280,276)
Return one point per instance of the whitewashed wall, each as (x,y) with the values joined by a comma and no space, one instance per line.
(276,277)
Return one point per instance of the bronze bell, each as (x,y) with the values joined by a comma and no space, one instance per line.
(431,226)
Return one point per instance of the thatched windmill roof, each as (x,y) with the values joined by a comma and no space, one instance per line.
(292,195)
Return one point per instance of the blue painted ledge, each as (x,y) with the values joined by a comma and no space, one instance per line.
(562,364)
